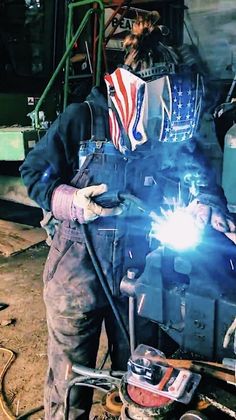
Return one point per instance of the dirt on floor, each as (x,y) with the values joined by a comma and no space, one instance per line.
(23,330)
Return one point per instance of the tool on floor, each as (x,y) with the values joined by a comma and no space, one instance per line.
(3,306)
(148,370)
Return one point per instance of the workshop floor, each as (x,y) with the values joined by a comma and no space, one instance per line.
(23,330)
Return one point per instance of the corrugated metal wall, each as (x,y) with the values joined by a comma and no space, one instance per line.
(212,24)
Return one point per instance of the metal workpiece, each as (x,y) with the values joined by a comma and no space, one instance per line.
(192,304)
(127,284)
(112,405)
(102,379)
(139,405)
(229,363)
(112,376)
(182,265)
(127,288)
(193,415)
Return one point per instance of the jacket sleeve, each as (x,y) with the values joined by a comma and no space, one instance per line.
(188,166)
(197,167)
(54,160)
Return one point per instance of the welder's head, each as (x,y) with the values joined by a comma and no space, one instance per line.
(149,99)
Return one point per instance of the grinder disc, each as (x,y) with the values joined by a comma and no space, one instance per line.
(146,398)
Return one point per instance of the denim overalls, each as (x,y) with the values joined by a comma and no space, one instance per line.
(75,302)
(120,242)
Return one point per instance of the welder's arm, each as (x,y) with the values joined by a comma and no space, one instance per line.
(210,204)
(69,203)
(45,168)
(206,213)
(52,162)
(48,169)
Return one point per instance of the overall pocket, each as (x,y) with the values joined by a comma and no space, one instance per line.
(57,251)
(109,249)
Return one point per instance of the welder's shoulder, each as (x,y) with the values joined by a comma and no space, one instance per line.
(75,112)
(74,123)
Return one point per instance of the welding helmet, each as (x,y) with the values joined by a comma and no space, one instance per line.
(153,105)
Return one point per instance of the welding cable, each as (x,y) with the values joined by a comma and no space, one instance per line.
(104,360)
(25,416)
(3,405)
(229,333)
(119,197)
(77,382)
(103,281)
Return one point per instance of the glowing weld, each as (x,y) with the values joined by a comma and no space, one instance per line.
(176,229)
(141,303)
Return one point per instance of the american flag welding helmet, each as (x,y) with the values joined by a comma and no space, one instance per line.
(165,109)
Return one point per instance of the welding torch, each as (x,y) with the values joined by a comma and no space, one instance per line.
(114,198)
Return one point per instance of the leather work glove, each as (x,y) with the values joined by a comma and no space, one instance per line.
(205,214)
(86,210)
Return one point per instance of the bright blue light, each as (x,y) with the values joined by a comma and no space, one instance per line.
(177,230)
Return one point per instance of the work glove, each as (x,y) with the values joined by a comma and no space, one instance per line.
(86,210)
(205,214)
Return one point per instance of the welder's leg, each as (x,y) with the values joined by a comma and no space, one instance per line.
(146,333)
(72,339)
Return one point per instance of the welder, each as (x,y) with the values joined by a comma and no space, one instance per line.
(137,138)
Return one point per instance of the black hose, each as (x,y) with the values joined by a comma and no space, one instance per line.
(114,197)
(76,382)
(103,281)
(29,413)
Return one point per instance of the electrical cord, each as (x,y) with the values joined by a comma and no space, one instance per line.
(82,382)
(25,416)
(3,404)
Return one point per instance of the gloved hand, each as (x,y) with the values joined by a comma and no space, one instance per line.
(205,214)
(86,210)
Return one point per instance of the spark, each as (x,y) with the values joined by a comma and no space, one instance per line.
(107,229)
(176,229)
(232,264)
(130,254)
(141,303)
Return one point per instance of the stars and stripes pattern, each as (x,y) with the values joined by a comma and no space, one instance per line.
(126,94)
(181,105)
(176,99)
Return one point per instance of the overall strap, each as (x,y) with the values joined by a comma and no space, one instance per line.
(98,122)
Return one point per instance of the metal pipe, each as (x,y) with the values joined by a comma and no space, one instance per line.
(132,324)
(67,52)
(218,405)
(67,64)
